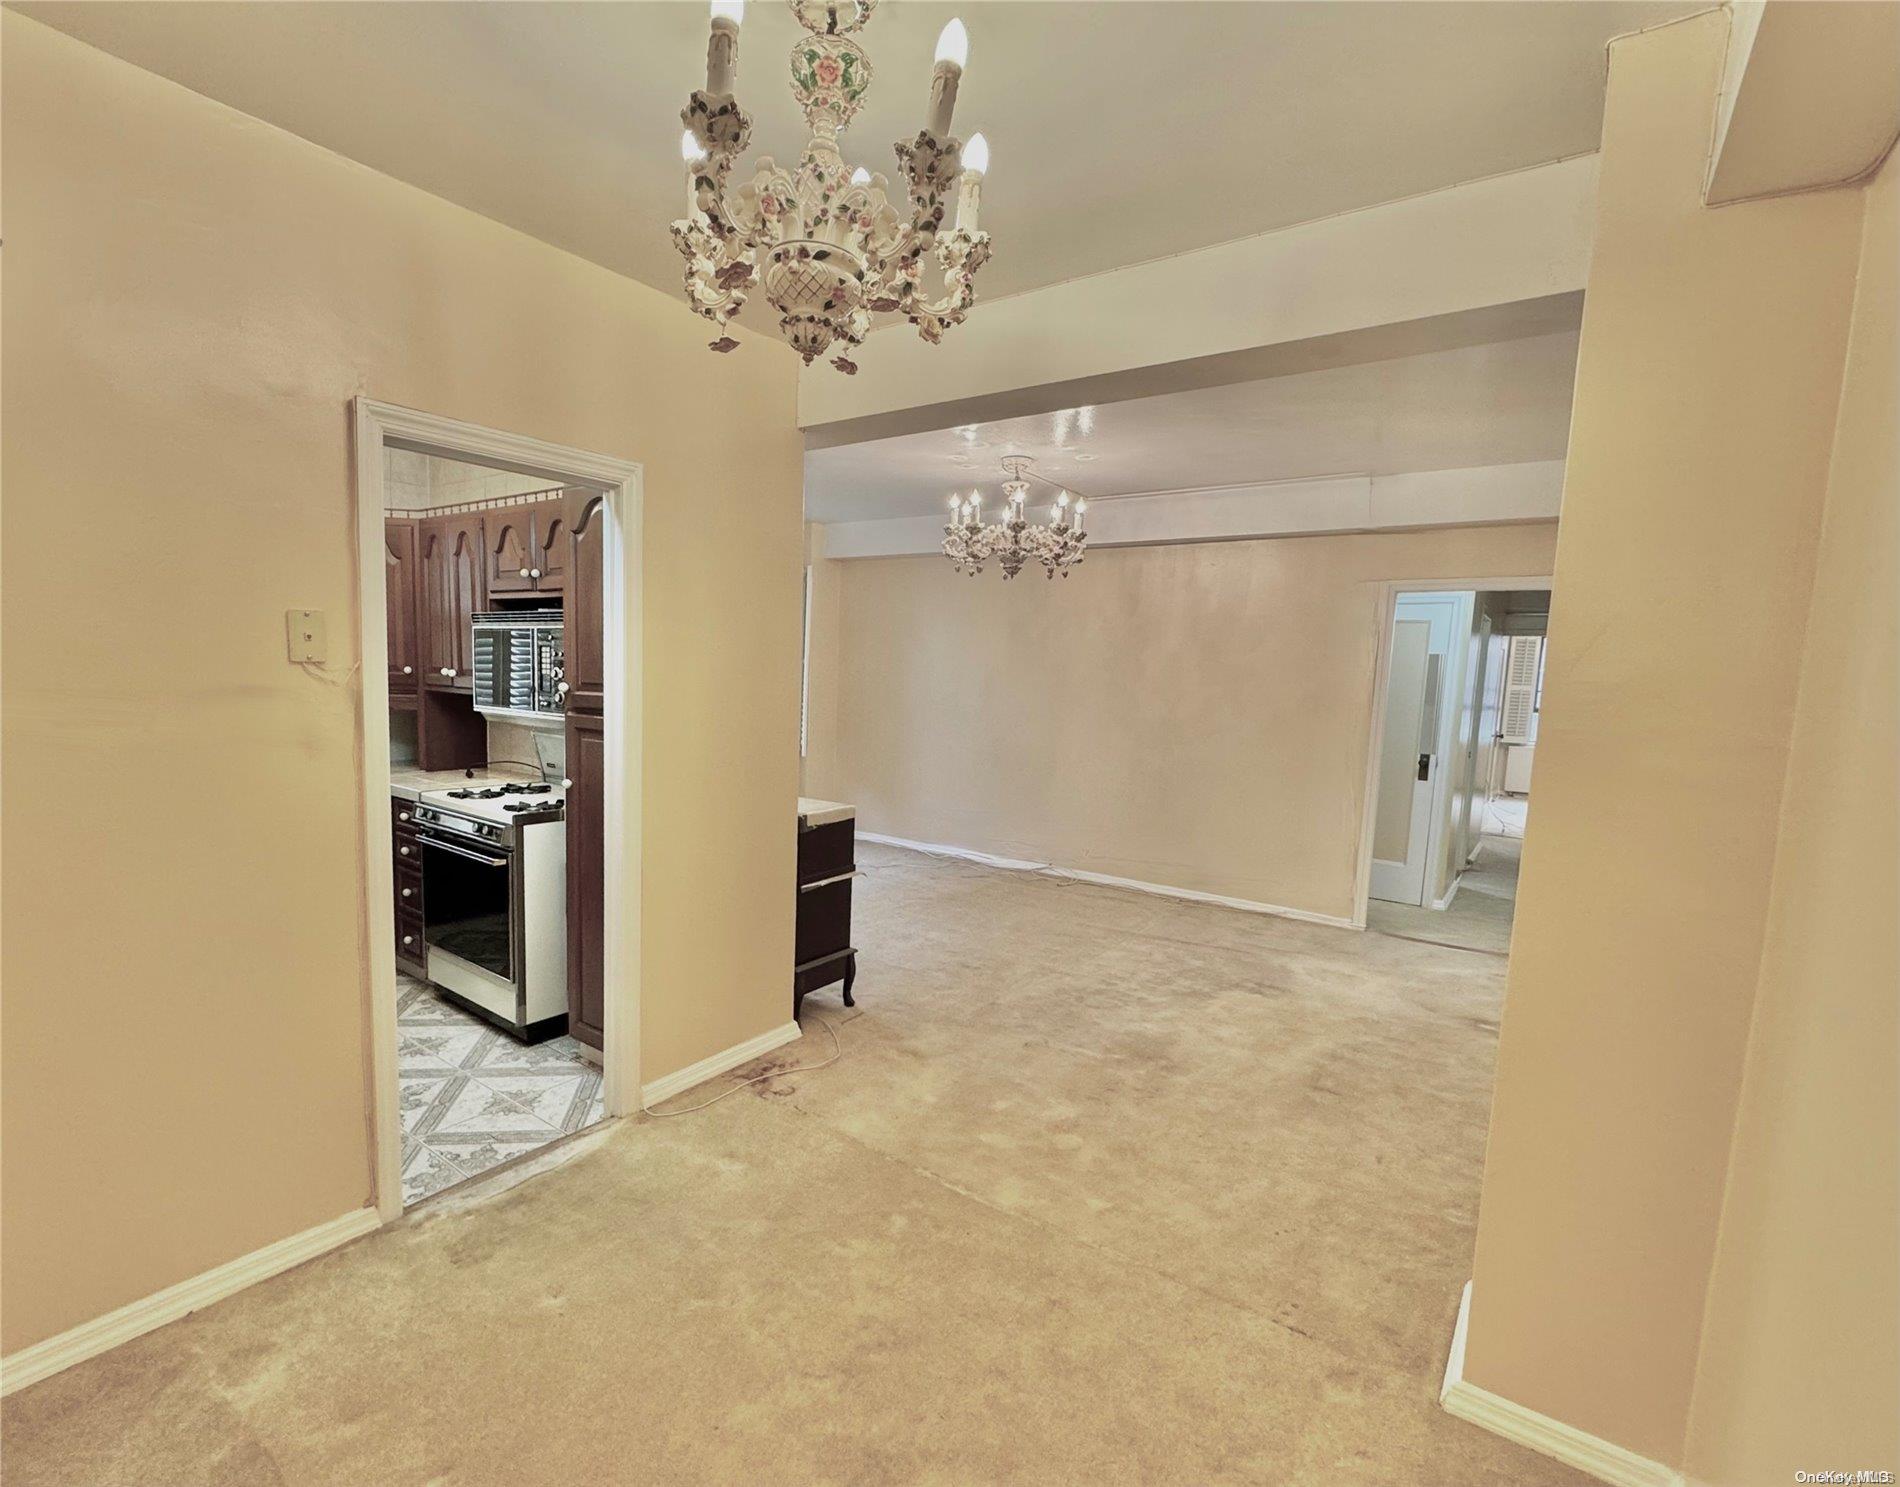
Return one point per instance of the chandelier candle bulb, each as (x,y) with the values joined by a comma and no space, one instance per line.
(976,163)
(722,47)
(953,50)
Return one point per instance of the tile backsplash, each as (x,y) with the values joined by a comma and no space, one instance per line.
(417,482)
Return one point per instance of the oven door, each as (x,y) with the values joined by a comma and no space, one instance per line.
(468,897)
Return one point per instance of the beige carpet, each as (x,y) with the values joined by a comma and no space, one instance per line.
(1106,1188)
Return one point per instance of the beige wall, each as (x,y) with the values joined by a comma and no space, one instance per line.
(1799,1364)
(1194,715)
(192,298)
(1709,370)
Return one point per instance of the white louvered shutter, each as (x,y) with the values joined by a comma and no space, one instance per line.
(1520,689)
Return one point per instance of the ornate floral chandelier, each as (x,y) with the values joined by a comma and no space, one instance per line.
(823,241)
(1012,542)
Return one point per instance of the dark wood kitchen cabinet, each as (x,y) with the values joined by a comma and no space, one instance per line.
(453,565)
(511,550)
(553,543)
(583,638)
(411,953)
(401,586)
(584,518)
(586,877)
(528,547)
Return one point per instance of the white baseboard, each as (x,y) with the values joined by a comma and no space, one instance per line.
(1445,902)
(135,1319)
(1587,1453)
(681,1080)
(1163,890)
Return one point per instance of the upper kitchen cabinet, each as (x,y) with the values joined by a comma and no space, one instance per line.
(585,664)
(512,559)
(552,541)
(401,581)
(453,564)
(527,548)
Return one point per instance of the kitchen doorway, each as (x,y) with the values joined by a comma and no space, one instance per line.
(1459,682)
(518,709)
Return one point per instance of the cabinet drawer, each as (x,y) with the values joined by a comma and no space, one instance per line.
(409,945)
(825,851)
(408,888)
(824,922)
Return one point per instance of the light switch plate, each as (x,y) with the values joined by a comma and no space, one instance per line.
(309,635)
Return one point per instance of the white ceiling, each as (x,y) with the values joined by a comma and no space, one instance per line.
(1501,403)
(1121,132)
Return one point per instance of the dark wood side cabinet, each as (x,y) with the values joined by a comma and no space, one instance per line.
(411,955)
(453,561)
(586,877)
(823,952)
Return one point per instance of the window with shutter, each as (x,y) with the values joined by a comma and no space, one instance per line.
(1518,724)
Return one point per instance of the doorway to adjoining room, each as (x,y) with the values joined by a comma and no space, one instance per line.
(1456,746)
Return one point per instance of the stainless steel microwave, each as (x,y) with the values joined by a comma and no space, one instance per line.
(520,665)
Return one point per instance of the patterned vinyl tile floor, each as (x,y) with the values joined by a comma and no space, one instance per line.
(473,1097)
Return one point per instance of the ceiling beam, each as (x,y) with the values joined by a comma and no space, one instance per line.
(1771,137)
(1488,495)
(1512,250)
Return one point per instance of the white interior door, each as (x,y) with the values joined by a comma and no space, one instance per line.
(1412,763)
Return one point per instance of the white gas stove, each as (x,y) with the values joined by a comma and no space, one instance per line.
(494,902)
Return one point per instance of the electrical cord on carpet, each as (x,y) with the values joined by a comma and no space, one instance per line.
(837,1052)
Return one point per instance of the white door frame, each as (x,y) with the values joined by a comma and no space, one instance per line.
(1386,597)
(621,481)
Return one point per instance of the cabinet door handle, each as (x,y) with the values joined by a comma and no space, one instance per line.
(402,851)
(408,939)
(534,572)
(407,891)
(402,815)
(561,688)
(524,572)
(827,882)
(407,669)
(567,784)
